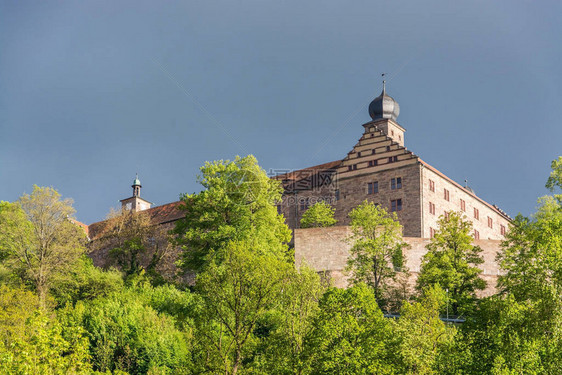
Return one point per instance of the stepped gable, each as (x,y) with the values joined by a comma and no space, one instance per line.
(166,213)
(467,190)
(374,152)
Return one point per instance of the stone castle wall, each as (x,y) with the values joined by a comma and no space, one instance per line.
(456,194)
(327,249)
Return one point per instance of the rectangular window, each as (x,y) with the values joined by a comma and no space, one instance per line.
(463,205)
(432,208)
(372,163)
(502,230)
(432,185)
(431,232)
(476,214)
(349,167)
(396,183)
(390,159)
(396,205)
(337,195)
(446,215)
(476,235)
(395,158)
(359,154)
(373,151)
(354,167)
(446,194)
(387,148)
(373,187)
(490,222)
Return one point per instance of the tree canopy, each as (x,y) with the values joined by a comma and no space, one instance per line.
(321,214)
(377,247)
(452,262)
(237,204)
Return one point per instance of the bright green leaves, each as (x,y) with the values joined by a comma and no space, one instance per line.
(38,240)
(452,262)
(321,214)
(237,204)
(349,335)
(377,247)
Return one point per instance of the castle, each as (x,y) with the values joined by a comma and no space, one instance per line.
(381,169)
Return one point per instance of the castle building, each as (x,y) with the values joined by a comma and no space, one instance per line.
(381,169)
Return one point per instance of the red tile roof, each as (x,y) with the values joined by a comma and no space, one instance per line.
(298,174)
(165,213)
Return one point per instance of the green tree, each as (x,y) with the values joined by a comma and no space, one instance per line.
(38,239)
(237,204)
(377,247)
(32,342)
(126,334)
(421,333)
(238,292)
(503,336)
(350,335)
(452,262)
(284,329)
(135,244)
(321,214)
(85,282)
(555,178)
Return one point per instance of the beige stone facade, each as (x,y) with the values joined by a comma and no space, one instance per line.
(326,250)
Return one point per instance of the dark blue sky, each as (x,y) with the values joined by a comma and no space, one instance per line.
(92,92)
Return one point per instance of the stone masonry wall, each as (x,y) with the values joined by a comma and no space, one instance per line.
(326,250)
(456,193)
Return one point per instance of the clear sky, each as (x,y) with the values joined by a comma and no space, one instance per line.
(93,92)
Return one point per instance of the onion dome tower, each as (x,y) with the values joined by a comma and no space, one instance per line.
(383,111)
(384,106)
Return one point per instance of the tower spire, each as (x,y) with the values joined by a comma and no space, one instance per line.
(136,186)
(383,84)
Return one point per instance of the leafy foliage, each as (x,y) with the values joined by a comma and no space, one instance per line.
(350,335)
(377,250)
(452,262)
(33,343)
(128,335)
(237,204)
(39,242)
(421,333)
(321,214)
(136,245)
(237,293)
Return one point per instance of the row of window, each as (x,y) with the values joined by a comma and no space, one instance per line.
(395,184)
(373,152)
(446,196)
(476,234)
(463,208)
(373,163)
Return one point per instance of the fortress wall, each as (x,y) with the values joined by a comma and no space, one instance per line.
(326,250)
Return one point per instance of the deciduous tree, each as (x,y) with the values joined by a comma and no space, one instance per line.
(452,262)
(238,291)
(321,214)
(38,238)
(236,204)
(377,247)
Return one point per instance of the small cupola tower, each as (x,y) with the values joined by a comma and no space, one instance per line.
(383,111)
(136,186)
(135,203)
